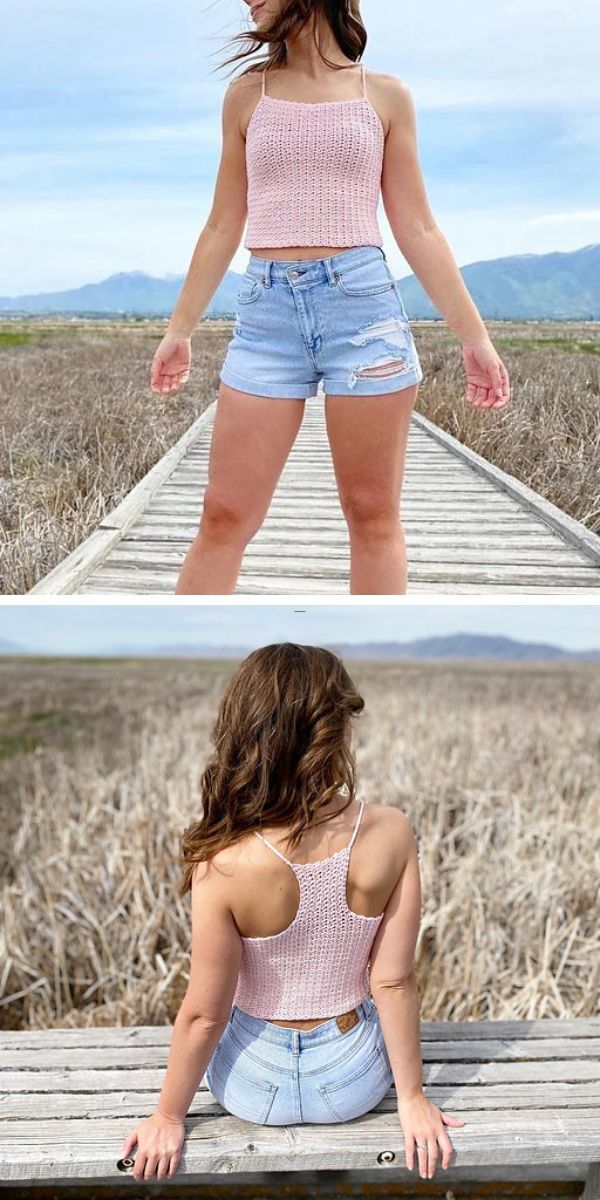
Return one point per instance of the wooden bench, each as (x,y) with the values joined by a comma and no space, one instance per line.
(528,1090)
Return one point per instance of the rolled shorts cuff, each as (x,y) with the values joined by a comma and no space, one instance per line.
(281,391)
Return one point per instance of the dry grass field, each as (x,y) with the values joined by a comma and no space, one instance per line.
(80,425)
(497,766)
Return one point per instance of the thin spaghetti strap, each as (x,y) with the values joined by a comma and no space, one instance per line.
(358,819)
(263,74)
(364,80)
(273,848)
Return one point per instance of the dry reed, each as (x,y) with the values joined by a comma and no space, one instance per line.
(496,766)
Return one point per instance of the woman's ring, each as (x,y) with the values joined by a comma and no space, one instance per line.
(418,1144)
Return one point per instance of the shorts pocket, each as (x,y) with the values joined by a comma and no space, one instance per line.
(238,1089)
(250,289)
(359,1090)
(365,278)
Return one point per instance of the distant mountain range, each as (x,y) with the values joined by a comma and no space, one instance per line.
(453,647)
(557,286)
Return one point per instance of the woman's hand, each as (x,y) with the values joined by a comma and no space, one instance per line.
(171,364)
(159,1143)
(487,378)
(423,1128)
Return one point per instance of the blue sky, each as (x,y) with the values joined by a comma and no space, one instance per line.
(110,117)
(89,628)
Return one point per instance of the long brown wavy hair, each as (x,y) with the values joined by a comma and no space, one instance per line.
(342,16)
(281,750)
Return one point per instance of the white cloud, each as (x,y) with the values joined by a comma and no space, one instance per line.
(578,218)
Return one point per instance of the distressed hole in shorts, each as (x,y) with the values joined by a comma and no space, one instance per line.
(394,366)
(382,329)
(398,357)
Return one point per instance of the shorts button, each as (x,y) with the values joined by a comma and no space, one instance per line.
(294,274)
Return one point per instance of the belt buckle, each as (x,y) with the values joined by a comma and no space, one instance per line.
(347,1020)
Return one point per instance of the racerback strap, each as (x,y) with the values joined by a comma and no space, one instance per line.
(291,864)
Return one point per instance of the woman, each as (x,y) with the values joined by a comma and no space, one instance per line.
(308,143)
(302,1001)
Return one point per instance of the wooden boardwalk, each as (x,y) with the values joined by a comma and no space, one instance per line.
(470,528)
(529,1092)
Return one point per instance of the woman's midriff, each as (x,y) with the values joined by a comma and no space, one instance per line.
(299,1024)
(298,253)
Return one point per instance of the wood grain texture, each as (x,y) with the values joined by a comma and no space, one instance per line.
(528,1091)
(470,528)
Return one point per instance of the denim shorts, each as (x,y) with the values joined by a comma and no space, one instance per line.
(339,320)
(264,1073)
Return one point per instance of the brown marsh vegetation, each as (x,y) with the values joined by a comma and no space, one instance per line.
(497,766)
(80,425)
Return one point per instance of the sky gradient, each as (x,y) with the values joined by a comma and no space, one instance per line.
(110,126)
(91,628)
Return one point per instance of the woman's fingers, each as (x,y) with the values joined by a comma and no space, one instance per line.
(432,1153)
(409,1151)
(139,1165)
(446,1147)
(162,1167)
(129,1143)
(174,379)
(422,1152)
(174,1163)
(448,1120)
(151,1164)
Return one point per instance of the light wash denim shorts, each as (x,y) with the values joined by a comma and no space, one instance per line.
(339,319)
(275,1076)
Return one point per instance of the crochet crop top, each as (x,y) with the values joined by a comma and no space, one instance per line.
(318,965)
(314,172)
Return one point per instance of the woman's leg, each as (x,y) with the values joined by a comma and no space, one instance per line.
(251,440)
(368,436)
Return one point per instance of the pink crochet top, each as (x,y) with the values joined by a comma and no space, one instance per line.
(318,965)
(314,172)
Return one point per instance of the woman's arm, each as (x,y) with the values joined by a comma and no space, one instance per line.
(394,988)
(427,252)
(216,245)
(204,1013)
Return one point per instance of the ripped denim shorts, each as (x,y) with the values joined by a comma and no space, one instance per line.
(339,320)
(273,1075)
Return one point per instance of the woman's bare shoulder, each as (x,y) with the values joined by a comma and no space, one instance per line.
(388,820)
(390,92)
(243,88)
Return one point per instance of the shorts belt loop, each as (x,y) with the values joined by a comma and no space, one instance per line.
(295,1041)
(329,268)
(267,273)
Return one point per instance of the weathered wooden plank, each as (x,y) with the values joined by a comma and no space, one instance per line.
(572,530)
(467,530)
(417,536)
(462,1050)
(128,583)
(591,1190)
(147,1073)
(275,555)
(430,1031)
(137,1102)
(164,557)
(84,1149)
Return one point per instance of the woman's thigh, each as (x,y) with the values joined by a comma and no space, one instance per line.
(252,438)
(368,436)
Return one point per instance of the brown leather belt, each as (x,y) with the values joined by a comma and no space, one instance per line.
(347,1020)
